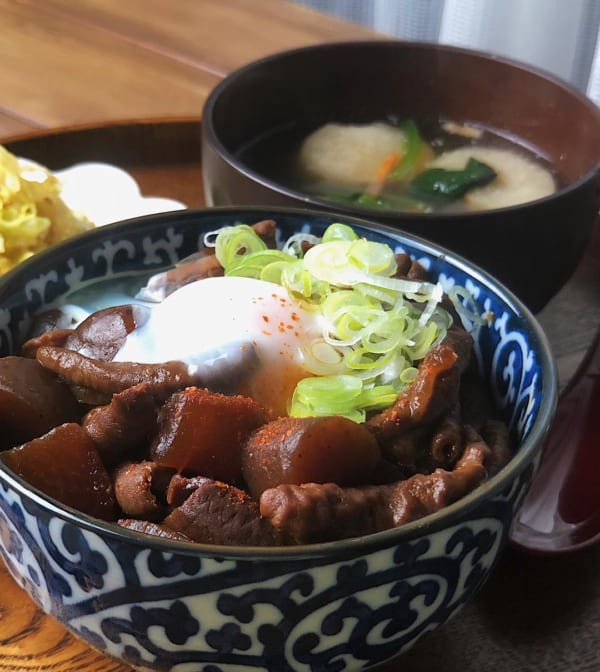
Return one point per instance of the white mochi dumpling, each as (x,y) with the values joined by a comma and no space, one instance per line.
(518,179)
(349,154)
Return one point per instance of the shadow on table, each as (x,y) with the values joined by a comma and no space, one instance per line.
(536,613)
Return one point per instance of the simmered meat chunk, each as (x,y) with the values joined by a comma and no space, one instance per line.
(318,512)
(434,392)
(161,285)
(202,264)
(101,334)
(56,338)
(140,489)
(218,513)
(106,378)
(128,422)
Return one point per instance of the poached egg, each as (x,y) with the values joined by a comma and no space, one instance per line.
(214,322)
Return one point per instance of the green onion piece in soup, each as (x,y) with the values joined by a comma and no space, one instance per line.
(391,202)
(394,202)
(450,185)
(413,148)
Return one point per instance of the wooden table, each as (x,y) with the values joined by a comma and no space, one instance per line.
(67,62)
(97,61)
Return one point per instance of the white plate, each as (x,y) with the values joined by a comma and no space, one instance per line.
(105,193)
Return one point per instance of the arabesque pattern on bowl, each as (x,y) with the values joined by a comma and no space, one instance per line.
(159,610)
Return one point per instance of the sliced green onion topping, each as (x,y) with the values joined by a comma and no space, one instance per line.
(252,265)
(338,232)
(376,327)
(345,263)
(235,242)
(466,306)
(339,395)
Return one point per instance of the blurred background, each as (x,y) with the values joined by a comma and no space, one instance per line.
(559,36)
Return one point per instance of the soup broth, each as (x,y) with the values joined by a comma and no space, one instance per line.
(398,164)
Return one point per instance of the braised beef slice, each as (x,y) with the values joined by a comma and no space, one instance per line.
(106,378)
(155,529)
(180,488)
(94,380)
(494,433)
(65,465)
(218,513)
(423,494)
(202,264)
(423,448)
(403,263)
(266,229)
(313,513)
(140,489)
(318,512)
(127,422)
(33,400)
(432,394)
(408,449)
(56,337)
(446,442)
(417,272)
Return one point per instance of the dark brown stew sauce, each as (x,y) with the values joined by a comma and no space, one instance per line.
(153,449)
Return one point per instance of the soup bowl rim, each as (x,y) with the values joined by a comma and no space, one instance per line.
(213,138)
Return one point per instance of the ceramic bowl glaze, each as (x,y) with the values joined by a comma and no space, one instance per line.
(533,248)
(168,605)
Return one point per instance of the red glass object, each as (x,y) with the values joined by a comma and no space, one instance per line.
(561,511)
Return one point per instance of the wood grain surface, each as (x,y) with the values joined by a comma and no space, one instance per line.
(536,614)
(13,125)
(89,62)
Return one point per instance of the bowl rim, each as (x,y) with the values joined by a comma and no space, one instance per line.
(210,135)
(352,546)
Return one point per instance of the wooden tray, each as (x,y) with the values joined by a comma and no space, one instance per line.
(536,613)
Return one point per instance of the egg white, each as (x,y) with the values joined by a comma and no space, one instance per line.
(217,319)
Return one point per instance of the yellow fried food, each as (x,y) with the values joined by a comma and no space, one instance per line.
(32,213)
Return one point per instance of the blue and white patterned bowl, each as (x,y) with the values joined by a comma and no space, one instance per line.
(346,605)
